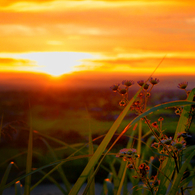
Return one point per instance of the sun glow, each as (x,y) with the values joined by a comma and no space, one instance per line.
(57,63)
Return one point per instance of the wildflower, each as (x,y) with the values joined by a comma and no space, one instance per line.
(122,91)
(122,103)
(126,154)
(178,111)
(182,85)
(154,81)
(166,141)
(127,151)
(143,168)
(128,83)
(161,119)
(179,145)
(155,125)
(115,87)
(140,83)
(147,94)
(146,86)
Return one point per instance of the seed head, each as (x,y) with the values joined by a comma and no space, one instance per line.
(140,83)
(115,87)
(179,145)
(177,111)
(182,85)
(167,141)
(154,81)
(122,103)
(146,86)
(128,83)
(122,91)
(161,119)
(155,125)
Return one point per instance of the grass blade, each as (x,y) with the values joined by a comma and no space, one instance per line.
(108,186)
(53,181)
(91,151)
(18,188)
(29,160)
(122,179)
(60,170)
(5,176)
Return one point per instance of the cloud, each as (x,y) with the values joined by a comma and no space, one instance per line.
(21,30)
(11,64)
(5,3)
(141,64)
(98,26)
(16,62)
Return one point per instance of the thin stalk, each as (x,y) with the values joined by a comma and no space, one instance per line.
(29,159)
(177,168)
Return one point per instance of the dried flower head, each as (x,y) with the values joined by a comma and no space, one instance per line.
(154,81)
(122,91)
(143,168)
(128,83)
(140,83)
(182,85)
(177,111)
(146,86)
(122,103)
(127,153)
(166,141)
(148,94)
(161,119)
(115,87)
(179,145)
(155,125)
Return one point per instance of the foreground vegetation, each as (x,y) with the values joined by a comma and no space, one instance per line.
(138,148)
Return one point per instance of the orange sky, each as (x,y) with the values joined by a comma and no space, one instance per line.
(59,37)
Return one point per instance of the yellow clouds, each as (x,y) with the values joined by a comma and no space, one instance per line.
(98,26)
(139,63)
(13,64)
(128,36)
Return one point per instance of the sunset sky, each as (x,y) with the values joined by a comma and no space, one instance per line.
(57,37)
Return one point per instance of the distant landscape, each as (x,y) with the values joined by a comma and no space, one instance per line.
(28,80)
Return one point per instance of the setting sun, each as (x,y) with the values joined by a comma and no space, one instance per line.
(57,63)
